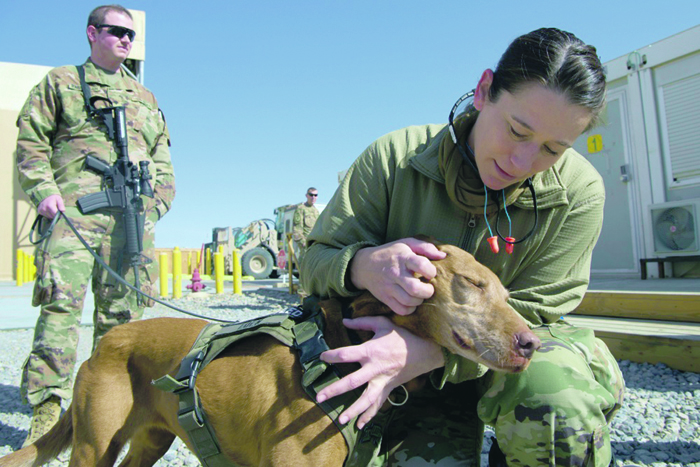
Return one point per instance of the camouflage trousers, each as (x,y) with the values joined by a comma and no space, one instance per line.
(64,267)
(556,413)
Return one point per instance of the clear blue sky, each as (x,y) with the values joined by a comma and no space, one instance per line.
(266,98)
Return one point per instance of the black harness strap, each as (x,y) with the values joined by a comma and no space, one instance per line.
(306,336)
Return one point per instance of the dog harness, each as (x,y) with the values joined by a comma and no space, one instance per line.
(302,330)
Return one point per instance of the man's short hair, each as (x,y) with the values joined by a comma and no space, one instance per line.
(309,189)
(97,16)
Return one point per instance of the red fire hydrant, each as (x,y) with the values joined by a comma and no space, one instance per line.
(196,283)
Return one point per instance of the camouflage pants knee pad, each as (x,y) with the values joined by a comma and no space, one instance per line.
(556,413)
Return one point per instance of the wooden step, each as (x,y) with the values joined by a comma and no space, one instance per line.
(666,306)
(674,343)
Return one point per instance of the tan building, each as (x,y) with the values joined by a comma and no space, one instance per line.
(16,212)
(15,209)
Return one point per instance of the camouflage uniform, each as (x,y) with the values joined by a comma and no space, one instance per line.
(304,220)
(55,136)
(558,411)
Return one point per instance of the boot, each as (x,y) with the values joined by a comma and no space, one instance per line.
(45,416)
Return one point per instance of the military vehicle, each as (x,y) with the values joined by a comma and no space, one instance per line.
(259,243)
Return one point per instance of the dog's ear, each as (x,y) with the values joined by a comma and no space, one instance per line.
(367,305)
(334,333)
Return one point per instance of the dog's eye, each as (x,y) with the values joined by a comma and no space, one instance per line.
(476,283)
(465,289)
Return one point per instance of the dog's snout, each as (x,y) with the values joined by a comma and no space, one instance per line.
(526,344)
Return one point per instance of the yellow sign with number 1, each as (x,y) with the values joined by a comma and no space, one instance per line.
(595,144)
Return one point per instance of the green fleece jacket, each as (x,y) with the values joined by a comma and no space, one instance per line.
(395,189)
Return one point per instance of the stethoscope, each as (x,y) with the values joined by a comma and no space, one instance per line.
(493,239)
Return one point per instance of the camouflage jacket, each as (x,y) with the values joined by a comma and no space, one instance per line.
(55,136)
(304,219)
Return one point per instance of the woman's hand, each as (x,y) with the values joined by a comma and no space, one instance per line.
(49,206)
(389,272)
(392,357)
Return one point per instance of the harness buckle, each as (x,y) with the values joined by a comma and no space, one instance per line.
(196,363)
(311,348)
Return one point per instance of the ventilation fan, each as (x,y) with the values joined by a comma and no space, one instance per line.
(675,227)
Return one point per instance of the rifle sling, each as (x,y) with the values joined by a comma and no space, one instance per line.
(87,95)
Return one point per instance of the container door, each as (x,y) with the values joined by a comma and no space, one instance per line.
(607,148)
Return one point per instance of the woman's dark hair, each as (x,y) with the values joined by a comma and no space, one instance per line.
(558,60)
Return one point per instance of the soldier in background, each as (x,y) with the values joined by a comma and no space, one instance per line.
(304,220)
(55,136)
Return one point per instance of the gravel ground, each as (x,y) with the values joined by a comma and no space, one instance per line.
(658,425)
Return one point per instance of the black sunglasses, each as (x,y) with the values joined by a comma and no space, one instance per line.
(312,194)
(118,31)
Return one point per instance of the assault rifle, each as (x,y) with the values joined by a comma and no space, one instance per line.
(124,185)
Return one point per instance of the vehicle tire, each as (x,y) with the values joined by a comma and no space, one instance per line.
(257,263)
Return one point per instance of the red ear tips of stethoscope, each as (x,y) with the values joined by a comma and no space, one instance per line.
(509,246)
(493,242)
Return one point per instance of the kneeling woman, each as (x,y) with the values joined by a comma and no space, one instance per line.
(504,165)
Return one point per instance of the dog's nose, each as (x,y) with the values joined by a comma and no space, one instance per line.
(526,343)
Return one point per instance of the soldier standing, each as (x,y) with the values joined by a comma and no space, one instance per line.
(304,220)
(56,133)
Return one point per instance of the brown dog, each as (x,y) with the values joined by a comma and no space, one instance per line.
(251,392)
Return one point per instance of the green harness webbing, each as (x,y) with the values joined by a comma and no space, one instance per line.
(307,337)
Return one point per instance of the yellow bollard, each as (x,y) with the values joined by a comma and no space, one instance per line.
(220,250)
(163,271)
(20,268)
(219,272)
(177,273)
(27,268)
(237,274)
(199,262)
(207,262)
(290,263)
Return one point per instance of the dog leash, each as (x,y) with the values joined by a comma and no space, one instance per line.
(363,446)
(37,224)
